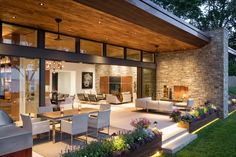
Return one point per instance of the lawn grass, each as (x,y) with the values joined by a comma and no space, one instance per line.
(232,90)
(216,140)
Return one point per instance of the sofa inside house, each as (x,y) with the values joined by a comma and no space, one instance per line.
(124,97)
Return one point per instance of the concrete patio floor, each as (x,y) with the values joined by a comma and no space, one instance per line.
(121,117)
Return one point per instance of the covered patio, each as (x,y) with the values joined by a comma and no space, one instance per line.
(167,54)
(121,117)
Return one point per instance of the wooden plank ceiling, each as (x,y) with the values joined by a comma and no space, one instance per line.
(87,22)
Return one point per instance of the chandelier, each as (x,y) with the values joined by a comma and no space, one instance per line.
(54,65)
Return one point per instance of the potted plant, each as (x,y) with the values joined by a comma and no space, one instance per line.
(175,115)
(185,120)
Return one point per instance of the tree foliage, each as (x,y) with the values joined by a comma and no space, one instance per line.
(205,14)
(232,65)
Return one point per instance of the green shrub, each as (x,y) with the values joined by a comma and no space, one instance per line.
(107,147)
(119,144)
(205,109)
(187,117)
(201,111)
(232,90)
(175,115)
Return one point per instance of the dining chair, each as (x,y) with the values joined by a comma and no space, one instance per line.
(67,104)
(44,109)
(102,107)
(49,103)
(105,107)
(101,121)
(36,126)
(77,125)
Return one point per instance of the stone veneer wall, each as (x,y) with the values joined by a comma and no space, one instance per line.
(204,71)
(114,70)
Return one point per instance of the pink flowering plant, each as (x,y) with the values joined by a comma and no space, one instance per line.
(140,123)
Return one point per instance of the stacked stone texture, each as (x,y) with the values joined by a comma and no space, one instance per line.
(204,71)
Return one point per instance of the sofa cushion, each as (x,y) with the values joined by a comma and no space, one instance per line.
(165,106)
(142,102)
(181,104)
(153,104)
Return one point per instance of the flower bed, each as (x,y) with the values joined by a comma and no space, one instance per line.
(137,143)
(197,118)
(198,124)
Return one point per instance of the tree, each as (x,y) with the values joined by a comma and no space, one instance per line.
(232,67)
(205,14)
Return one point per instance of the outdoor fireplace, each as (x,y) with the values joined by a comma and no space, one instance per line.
(180,92)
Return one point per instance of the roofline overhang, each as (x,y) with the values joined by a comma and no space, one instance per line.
(170,18)
(149,15)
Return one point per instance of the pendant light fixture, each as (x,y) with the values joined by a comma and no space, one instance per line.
(58,21)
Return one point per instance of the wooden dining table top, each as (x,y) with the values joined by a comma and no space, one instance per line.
(66,113)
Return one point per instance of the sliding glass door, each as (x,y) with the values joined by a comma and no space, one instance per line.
(146,83)
(19,80)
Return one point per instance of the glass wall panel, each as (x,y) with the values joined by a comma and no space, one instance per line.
(19,79)
(115,51)
(62,43)
(148,57)
(19,35)
(90,47)
(133,54)
(149,83)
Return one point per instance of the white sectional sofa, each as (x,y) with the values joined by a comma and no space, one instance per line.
(158,105)
(142,102)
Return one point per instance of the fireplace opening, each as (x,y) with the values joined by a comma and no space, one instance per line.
(180,92)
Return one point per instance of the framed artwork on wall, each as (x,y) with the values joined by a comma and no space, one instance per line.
(87,80)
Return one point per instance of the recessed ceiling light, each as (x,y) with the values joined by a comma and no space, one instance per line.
(99,22)
(13,17)
(41,4)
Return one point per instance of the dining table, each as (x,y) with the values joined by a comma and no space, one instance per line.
(56,116)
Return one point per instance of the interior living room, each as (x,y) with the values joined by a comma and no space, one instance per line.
(91,83)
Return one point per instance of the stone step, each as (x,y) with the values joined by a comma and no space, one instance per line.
(178,143)
(176,133)
(171,133)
